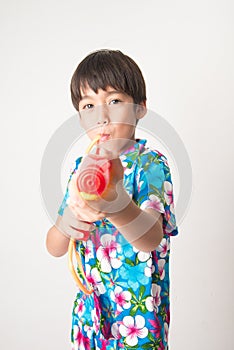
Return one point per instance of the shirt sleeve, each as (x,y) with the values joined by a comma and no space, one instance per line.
(66,197)
(154,188)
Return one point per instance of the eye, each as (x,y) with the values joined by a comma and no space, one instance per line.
(115,101)
(88,106)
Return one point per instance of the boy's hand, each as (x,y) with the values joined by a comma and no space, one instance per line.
(72,227)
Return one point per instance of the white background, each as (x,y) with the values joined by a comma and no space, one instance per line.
(185,50)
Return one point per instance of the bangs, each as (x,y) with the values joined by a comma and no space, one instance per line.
(107,68)
(98,74)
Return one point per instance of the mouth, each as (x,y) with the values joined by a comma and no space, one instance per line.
(104,137)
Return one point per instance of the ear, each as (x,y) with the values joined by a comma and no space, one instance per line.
(141,110)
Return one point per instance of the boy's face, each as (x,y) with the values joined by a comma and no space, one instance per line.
(110,113)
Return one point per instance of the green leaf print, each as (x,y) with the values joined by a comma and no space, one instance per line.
(129,262)
(138,303)
(156,192)
(154,342)
(156,278)
(143,308)
(163,313)
(141,292)
(151,346)
(148,346)
(133,310)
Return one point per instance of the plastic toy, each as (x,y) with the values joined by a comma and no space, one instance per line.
(92,181)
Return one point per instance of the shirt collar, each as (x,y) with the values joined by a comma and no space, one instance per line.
(134,150)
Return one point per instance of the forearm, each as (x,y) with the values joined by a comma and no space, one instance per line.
(143,229)
(56,242)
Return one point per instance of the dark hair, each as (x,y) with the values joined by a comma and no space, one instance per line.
(104,68)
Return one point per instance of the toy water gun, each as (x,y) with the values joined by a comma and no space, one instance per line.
(92,181)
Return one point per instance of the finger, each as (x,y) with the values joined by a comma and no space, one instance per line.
(79,233)
(75,197)
(75,234)
(77,230)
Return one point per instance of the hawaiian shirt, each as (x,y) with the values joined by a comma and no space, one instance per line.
(129,308)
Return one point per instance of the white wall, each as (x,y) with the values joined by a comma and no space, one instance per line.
(185,50)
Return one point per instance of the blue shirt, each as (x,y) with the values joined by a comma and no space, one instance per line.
(130,304)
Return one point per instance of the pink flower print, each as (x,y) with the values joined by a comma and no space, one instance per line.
(94,278)
(163,247)
(107,252)
(156,292)
(157,327)
(105,343)
(166,329)
(168,192)
(88,329)
(81,342)
(149,269)
(80,308)
(121,298)
(172,208)
(133,328)
(161,346)
(167,319)
(152,302)
(88,251)
(115,331)
(140,183)
(164,159)
(96,320)
(161,263)
(153,203)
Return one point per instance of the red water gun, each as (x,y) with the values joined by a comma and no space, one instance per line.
(92,181)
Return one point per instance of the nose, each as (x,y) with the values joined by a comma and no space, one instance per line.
(103,117)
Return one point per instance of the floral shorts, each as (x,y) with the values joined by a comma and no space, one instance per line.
(89,330)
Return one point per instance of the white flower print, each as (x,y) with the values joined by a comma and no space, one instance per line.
(166,329)
(163,247)
(89,330)
(161,263)
(121,298)
(172,208)
(133,328)
(140,183)
(149,268)
(168,192)
(94,278)
(88,250)
(115,330)
(127,171)
(143,256)
(154,300)
(96,321)
(107,252)
(156,291)
(154,203)
(80,308)
(79,344)
(149,303)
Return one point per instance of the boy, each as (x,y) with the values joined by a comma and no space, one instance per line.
(126,251)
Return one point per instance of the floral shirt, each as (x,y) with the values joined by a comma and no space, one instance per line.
(129,308)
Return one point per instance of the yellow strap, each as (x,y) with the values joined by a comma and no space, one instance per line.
(97,138)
